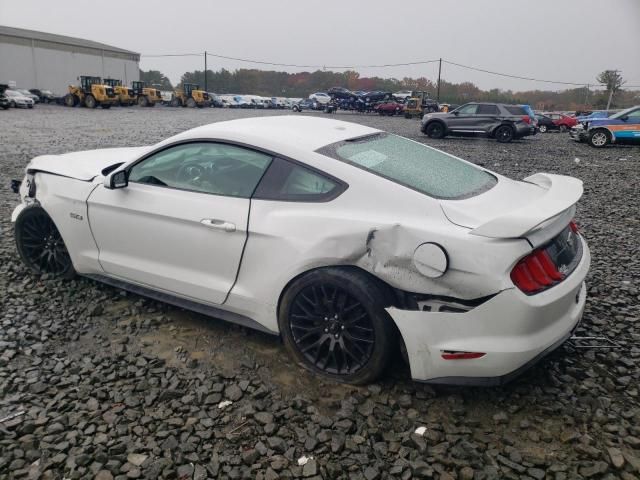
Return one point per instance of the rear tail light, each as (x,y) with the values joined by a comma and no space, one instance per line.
(574,226)
(448,355)
(535,272)
(526,119)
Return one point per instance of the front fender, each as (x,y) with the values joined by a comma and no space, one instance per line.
(17,211)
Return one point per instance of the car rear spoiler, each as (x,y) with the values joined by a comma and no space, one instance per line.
(562,193)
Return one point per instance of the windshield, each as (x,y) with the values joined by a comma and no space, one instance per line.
(623,113)
(413,165)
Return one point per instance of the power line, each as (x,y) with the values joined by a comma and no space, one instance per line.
(514,76)
(384,65)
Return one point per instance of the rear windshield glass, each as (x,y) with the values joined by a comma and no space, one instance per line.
(413,165)
(516,110)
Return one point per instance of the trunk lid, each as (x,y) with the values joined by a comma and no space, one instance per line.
(537,208)
(85,165)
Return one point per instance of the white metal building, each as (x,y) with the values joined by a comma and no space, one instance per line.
(53,62)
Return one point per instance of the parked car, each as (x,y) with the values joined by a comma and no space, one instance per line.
(402,95)
(494,120)
(18,100)
(545,123)
(375,96)
(28,94)
(594,115)
(341,93)
(307,104)
(562,122)
(45,96)
(478,275)
(320,97)
(623,127)
(389,108)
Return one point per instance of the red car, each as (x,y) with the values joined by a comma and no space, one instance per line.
(563,122)
(389,108)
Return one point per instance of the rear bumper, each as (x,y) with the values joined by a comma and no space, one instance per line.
(512,329)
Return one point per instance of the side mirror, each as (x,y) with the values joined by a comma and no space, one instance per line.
(116,180)
(455,112)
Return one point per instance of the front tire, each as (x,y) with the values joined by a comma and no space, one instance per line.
(143,101)
(70,100)
(191,103)
(175,102)
(504,134)
(333,322)
(599,138)
(40,244)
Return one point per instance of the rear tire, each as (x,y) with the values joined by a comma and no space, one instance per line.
(504,134)
(90,101)
(542,129)
(40,244)
(599,138)
(191,103)
(435,130)
(143,101)
(296,108)
(175,102)
(333,322)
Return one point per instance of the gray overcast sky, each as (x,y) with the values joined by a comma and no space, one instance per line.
(567,40)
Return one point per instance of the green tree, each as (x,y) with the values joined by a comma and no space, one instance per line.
(612,79)
(155,77)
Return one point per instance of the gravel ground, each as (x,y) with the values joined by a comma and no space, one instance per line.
(97,383)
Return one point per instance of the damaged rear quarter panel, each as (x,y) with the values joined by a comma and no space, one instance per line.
(378,233)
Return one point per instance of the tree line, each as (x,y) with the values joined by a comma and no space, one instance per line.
(282,84)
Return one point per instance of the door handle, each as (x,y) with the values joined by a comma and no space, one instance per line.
(219,224)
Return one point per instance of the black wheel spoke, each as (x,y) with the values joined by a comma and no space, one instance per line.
(331,328)
(41,244)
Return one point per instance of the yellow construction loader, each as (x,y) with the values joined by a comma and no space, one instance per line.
(126,96)
(190,95)
(147,96)
(90,93)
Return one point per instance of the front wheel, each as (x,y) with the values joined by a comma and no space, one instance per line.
(599,138)
(175,102)
(70,100)
(296,108)
(40,244)
(333,321)
(143,101)
(504,134)
(191,103)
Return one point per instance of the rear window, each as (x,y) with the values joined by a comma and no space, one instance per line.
(413,165)
(515,110)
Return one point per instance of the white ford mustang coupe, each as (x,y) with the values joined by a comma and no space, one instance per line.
(345,240)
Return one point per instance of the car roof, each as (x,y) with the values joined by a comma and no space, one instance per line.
(286,134)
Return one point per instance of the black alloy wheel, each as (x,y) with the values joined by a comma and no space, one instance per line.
(504,134)
(435,130)
(40,244)
(334,323)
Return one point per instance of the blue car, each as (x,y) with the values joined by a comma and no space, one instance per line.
(594,115)
(623,127)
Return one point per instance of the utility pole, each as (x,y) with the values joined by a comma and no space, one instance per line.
(205,70)
(586,95)
(439,72)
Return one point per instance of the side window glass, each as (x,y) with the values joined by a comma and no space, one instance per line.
(205,167)
(292,182)
(468,110)
(487,110)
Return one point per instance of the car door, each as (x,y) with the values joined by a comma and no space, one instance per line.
(628,126)
(485,118)
(463,119)
(180,225)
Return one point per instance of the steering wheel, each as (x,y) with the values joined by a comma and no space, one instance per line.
(191,173)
